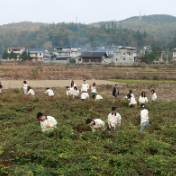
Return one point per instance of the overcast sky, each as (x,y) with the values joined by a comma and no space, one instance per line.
(86,11)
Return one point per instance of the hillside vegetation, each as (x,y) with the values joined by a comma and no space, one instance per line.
(159,26)
(72,149)
(37,35)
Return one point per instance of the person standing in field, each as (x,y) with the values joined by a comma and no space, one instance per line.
(72,84)
(93,89)
(49,92)
(143,99)
(130,94)
(114,120)
(96,124)
(47,123)
(75,92)
(154,96)
(1,88)
(84,87)
(144,117)
(115,91)
(25,86)
(132,100)
(30,91)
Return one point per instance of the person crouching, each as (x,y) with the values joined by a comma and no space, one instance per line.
(47,123)
(96,124)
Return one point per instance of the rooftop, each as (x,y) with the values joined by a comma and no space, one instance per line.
(37,50)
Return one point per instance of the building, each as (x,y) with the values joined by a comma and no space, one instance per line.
(39,54)
(17,50)
(124,55)
(67,52)
(91,57)
(174,54)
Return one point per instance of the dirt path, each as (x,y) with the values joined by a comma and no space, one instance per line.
(10,84)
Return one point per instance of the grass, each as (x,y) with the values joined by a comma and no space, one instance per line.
(72,149)
(140,81)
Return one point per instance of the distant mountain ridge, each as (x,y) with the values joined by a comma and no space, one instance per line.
(160,26)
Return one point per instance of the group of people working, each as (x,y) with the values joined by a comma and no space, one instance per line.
(114,118)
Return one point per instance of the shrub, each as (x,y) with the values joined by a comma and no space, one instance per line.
(155,77)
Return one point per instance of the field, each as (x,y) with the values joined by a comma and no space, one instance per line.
(72,149)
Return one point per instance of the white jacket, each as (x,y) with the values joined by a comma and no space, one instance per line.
(84,96)
(49,92)
(51,121)
(84,87)
(93,89)
(75,93)
(98,97)
(31,92)
(154,96)
(99,124)
(114,119)
(143,99)
(144,115)
(132,101)
(25,86)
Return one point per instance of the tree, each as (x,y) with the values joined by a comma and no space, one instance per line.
(25,56)
(12,55)
(5,55)
(48,45)
(156,51)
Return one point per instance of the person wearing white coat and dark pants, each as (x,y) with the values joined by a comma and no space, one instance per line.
(144,117)
(30,91)
(25,86)
(96,124)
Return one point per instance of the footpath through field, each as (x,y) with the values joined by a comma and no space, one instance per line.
(11,84)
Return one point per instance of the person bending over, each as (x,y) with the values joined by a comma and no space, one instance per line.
(96,124)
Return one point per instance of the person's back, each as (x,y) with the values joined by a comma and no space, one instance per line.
(144,115)
(31,92)
(99,124)
(50,92)
(98,97)
(75,93)
(84,96)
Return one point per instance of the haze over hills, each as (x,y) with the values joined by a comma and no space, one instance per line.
(161,26)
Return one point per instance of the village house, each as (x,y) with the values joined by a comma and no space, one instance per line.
(39,54)
(125,55)
(91,57)
(17,50)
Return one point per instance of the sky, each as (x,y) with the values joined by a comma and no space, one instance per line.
(83,11)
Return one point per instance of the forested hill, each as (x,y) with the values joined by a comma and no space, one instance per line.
(37,35)
(161,26)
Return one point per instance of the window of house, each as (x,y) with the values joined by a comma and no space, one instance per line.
(124,54)
(40,54)
(79,59)
(116,59)
(124,59)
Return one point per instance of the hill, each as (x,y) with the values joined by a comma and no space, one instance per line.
(160,26)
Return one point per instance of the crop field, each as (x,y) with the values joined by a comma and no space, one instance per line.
(40,71)
(72,149)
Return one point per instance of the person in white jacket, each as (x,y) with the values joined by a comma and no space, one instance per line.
(97,97)
(132,100)
(72,84)
(143,99)
(1,88)
(114,120)
(47,123)
(96,124)
(130,94)
(154,96)
(93,89)
(84,87)
(69,91)
(84,96)
(30,91)
(25,86)
(49,92)
(75,92)
(144,117)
